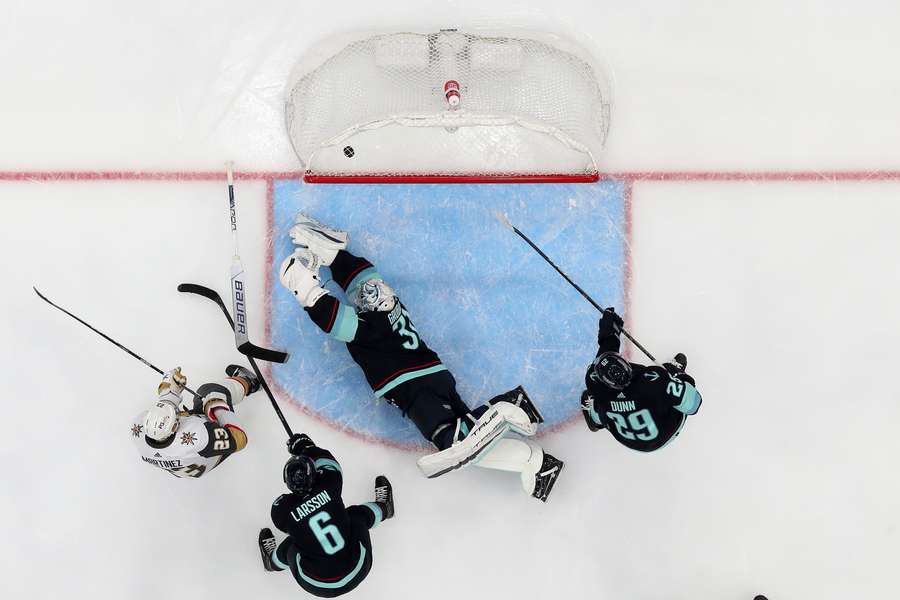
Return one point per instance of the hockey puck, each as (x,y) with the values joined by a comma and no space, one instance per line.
(348,151)
(760,598)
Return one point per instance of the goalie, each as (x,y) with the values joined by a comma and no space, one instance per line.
(401,368)
(188,441)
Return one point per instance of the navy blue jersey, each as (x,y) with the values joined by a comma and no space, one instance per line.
(318,524)
(647,414)
(386,345)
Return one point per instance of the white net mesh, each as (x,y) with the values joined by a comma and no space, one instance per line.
(378,107)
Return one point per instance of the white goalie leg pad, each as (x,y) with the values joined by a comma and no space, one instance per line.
(486,431)
(518,456)
(516,418)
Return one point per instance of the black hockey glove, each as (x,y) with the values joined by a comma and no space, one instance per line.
(298,443)
(586,404)
(610,324)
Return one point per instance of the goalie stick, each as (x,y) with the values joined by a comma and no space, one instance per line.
(239,290)
(505,222)
(107,338)
(193,288)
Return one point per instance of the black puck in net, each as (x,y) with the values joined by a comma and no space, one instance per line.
(348,151)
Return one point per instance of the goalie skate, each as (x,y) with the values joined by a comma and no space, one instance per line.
(321,240)
(546,477)
(486,431)
(519,397)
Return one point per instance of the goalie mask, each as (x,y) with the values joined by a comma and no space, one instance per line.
(375,296)
(300,474)
(161,421)
(613,370)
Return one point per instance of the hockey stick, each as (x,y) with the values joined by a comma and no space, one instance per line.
(239,291)
(107,338)
(505,222)
(193,288)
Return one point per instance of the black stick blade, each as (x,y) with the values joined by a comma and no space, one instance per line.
(247,349)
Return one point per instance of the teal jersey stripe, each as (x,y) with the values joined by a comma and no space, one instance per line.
(595,416)
(345,324)
(406,377)
(335,584)
(277,562)
(690,400)
(379,516)
(362,277)
(327,463)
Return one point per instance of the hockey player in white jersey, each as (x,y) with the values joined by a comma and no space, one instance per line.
(187,440)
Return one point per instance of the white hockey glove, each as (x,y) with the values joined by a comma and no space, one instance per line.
(300,274)
(173,381)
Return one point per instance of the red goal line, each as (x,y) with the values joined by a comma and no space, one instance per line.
(630,176)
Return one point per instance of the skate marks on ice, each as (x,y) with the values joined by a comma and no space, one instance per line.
(494,311)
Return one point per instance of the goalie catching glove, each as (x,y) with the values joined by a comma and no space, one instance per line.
(299,273)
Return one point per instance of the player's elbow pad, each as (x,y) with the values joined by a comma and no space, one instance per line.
(240,438)
(690,401)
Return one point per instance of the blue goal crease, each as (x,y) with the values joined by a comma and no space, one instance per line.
(495,312)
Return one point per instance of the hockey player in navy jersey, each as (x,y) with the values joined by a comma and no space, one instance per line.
(400,367)
(327,548)
(644,408)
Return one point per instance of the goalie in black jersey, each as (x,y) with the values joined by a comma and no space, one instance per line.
(644,408)
(327,549)
(400,367)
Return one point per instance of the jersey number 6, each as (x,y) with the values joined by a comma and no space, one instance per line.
(329,536)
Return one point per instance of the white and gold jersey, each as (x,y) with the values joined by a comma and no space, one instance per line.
(197,446)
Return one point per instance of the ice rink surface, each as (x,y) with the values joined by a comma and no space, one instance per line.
(756,148)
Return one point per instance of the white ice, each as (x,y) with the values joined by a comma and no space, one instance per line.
(784,295)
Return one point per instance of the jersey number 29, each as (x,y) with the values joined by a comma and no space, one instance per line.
(329,536)
(639,425)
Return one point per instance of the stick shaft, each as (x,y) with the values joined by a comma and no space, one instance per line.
(193,288)
(232,207)
(106,337)
(577,287)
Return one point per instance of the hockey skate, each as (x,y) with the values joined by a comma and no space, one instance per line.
(519,397)
(321,240)
(245,374)
(546,477)
(490,427)
(384,495)
(267,546)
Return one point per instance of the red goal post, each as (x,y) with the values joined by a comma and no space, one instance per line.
(450,106)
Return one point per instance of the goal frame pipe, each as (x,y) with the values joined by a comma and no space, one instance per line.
(450,179)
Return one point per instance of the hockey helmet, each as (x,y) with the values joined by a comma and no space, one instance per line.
(375,295)
(300,474)
(613,370)
(161,420)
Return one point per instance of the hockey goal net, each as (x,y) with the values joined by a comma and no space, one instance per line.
(448,106)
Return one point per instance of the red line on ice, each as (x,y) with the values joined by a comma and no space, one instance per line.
(269,177)
(125,175)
